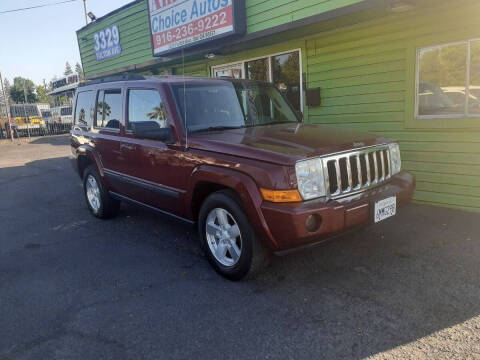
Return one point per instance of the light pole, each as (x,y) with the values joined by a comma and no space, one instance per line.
(86,11)
(7,107)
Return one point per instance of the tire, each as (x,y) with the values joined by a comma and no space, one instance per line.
(229,262)
(102,206)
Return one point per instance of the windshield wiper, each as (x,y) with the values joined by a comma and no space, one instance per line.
(217,128)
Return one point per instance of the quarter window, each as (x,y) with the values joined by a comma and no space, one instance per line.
(449,80)
(146,105)
(84,108)
(109,109)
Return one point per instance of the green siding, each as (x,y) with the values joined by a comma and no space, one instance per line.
(367,76)
(264,14)
(135,38)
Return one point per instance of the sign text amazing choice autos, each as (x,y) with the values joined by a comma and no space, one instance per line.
(176,24)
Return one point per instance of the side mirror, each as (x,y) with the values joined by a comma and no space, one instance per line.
(151,130)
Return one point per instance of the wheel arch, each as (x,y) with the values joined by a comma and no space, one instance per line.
(85,157)
(208,179)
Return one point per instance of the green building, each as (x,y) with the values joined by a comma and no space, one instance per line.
(407,69)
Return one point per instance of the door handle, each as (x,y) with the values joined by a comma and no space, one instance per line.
(127,147)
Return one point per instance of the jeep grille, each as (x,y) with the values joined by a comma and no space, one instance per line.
(357,170)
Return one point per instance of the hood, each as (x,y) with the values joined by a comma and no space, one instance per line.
(283,144)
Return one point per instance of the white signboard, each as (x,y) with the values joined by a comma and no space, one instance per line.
(176,24)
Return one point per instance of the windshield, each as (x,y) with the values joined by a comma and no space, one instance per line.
(226,105)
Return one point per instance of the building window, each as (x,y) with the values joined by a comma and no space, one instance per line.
(448,84)
(258,69)
(286,76)
(284,70)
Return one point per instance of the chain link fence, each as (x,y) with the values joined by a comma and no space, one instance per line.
(49,129)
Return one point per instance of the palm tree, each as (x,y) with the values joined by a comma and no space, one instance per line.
(158,114)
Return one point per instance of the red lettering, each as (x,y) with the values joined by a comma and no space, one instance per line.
(160,4)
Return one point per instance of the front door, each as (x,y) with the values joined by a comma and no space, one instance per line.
(148,166)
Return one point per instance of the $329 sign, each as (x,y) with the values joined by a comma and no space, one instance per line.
(107,43)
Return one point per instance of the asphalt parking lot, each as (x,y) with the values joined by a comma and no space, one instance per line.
(138,287)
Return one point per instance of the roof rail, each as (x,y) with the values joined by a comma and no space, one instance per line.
(113,78)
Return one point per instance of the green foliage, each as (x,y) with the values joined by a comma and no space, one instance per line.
(258,70)
(446,66)
(17,91)
(42,95)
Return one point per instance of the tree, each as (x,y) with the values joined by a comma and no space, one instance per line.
(42,94)
(79,71)
(68,69)
(17,91)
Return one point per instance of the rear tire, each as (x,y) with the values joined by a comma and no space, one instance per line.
(227,238)
(99,201)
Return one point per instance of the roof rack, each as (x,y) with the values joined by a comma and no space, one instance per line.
(113,78)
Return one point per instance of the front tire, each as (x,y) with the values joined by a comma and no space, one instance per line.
(228,239)
(99,201)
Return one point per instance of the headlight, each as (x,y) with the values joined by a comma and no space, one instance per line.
(310,178)
(395,158)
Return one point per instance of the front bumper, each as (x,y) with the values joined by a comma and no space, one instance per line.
(286,221)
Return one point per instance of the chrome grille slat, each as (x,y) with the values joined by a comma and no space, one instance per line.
(369,175)
(375,167)
(388,165)
(339,177)
(349,175)
(382,160)
(359,171)
(372,166)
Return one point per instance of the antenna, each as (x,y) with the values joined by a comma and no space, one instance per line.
(184,100)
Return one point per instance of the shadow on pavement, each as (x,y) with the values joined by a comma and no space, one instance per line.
(59,140)
(139,282)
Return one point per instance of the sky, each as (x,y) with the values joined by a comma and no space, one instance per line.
(37,43)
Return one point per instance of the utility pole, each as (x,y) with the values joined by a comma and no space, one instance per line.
(27,119)
(86,11)
(7,106)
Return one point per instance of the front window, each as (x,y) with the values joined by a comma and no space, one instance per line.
(225,105)
(449,80)
(145,106)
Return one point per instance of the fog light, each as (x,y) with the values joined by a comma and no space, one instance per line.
(313,223)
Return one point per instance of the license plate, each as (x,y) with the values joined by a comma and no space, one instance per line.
(385,208)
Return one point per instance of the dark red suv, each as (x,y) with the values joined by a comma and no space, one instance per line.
(233,157)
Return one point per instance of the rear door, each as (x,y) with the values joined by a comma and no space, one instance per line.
(106,134)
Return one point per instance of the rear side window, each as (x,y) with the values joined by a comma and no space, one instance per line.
(109,109)
(145,105)
(84,108)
